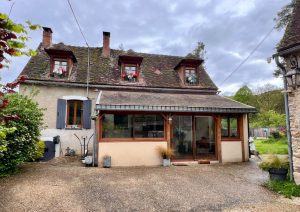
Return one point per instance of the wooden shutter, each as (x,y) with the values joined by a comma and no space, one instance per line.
(61,113)
(87,108)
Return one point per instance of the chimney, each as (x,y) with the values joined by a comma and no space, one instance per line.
(47,37)
(106,48)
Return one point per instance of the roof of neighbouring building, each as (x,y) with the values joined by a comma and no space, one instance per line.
(157,70)
(291,36)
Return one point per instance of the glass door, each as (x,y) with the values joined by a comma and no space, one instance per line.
(205,137)
(182,137)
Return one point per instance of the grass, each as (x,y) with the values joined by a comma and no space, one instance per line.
(271,146)
(285,188)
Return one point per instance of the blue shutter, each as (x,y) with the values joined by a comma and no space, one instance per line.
(87,108)
(61,113)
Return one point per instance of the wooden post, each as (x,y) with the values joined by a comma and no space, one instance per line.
(168,130)
(241,131)
(218,138)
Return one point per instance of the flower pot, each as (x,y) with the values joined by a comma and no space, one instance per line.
(166,162)
(278,174)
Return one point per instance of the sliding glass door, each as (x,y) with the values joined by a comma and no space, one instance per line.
(205,136)
(182,142)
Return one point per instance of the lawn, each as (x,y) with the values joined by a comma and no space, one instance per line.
(271,146)
(285,188)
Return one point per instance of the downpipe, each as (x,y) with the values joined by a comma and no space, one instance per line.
(287,118)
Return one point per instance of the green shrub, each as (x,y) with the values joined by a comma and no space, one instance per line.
(40,150)
(273,161)
(21,144)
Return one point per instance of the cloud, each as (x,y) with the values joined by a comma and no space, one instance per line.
(230,30)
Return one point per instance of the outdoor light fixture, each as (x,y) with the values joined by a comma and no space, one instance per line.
(293,77)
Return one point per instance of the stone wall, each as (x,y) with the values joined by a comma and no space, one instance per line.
(294,107)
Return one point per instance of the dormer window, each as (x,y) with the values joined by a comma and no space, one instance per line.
(130,67)
(191,77)
(130,73)
(60,68)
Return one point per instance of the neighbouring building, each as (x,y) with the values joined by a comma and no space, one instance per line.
(289,50)
(139,102)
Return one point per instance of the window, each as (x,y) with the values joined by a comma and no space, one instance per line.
(74,114)
(60,68)
(132,126)
(190,76)
(130,73)
(229,127)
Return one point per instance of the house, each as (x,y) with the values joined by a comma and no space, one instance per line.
(139,102)
(289,50)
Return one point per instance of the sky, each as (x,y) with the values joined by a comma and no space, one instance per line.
(230,30)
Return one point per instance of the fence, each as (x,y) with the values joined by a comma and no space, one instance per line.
(262,132)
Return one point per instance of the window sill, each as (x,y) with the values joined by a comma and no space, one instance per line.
(230,139)
(73,128)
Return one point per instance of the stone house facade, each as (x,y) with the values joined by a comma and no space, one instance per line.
(138,102)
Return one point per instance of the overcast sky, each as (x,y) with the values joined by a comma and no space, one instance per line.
(230,30)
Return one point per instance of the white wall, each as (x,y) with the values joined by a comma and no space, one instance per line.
(231,151)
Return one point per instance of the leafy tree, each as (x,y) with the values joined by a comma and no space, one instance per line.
(269,119)
(18,122)
(199,51)
(284,15)
(21,144)
(245,95)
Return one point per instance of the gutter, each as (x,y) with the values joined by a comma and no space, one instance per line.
(116,87)
(287,112)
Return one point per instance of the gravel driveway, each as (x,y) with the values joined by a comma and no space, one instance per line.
(67,186)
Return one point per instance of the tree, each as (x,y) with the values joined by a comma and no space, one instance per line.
(245,95)
(199,51)
(284,15)
(16,144)
(269,119)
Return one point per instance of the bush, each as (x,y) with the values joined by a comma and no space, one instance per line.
(40,150)
(275,135)
(273,161)
(22,143)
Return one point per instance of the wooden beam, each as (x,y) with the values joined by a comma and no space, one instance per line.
(218,138)
(241,131)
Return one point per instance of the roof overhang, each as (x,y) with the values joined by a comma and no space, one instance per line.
(287,51)
(61,52)
(131,59)
(167,102)
(189,62)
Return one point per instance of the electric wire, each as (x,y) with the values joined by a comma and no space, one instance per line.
(250,54)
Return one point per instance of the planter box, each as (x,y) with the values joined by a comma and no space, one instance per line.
(278,174)
(166,162)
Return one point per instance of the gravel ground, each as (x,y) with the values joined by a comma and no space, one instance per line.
(64,185)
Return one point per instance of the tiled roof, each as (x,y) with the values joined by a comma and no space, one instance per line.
(156,70)
(291,36)
(114,100)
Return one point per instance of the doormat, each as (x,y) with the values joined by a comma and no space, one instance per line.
(204,162)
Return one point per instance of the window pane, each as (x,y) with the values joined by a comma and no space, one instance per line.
(224,127)
(233,127)
(78,113)
(148,126)
(71,105)
(131,73)
(117,126)
(60,68)
(190,76)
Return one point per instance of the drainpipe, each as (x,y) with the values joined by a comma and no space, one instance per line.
(287,113)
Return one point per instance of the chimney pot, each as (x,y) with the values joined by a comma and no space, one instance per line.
(47,37)
(106,47)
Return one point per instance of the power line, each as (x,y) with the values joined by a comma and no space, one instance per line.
(251,53)
(77,23)
(88,48)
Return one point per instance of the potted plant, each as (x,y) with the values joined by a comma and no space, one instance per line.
(166,155)
(276,166)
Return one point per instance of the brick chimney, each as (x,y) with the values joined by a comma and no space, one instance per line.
(106,48)
(47,37)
